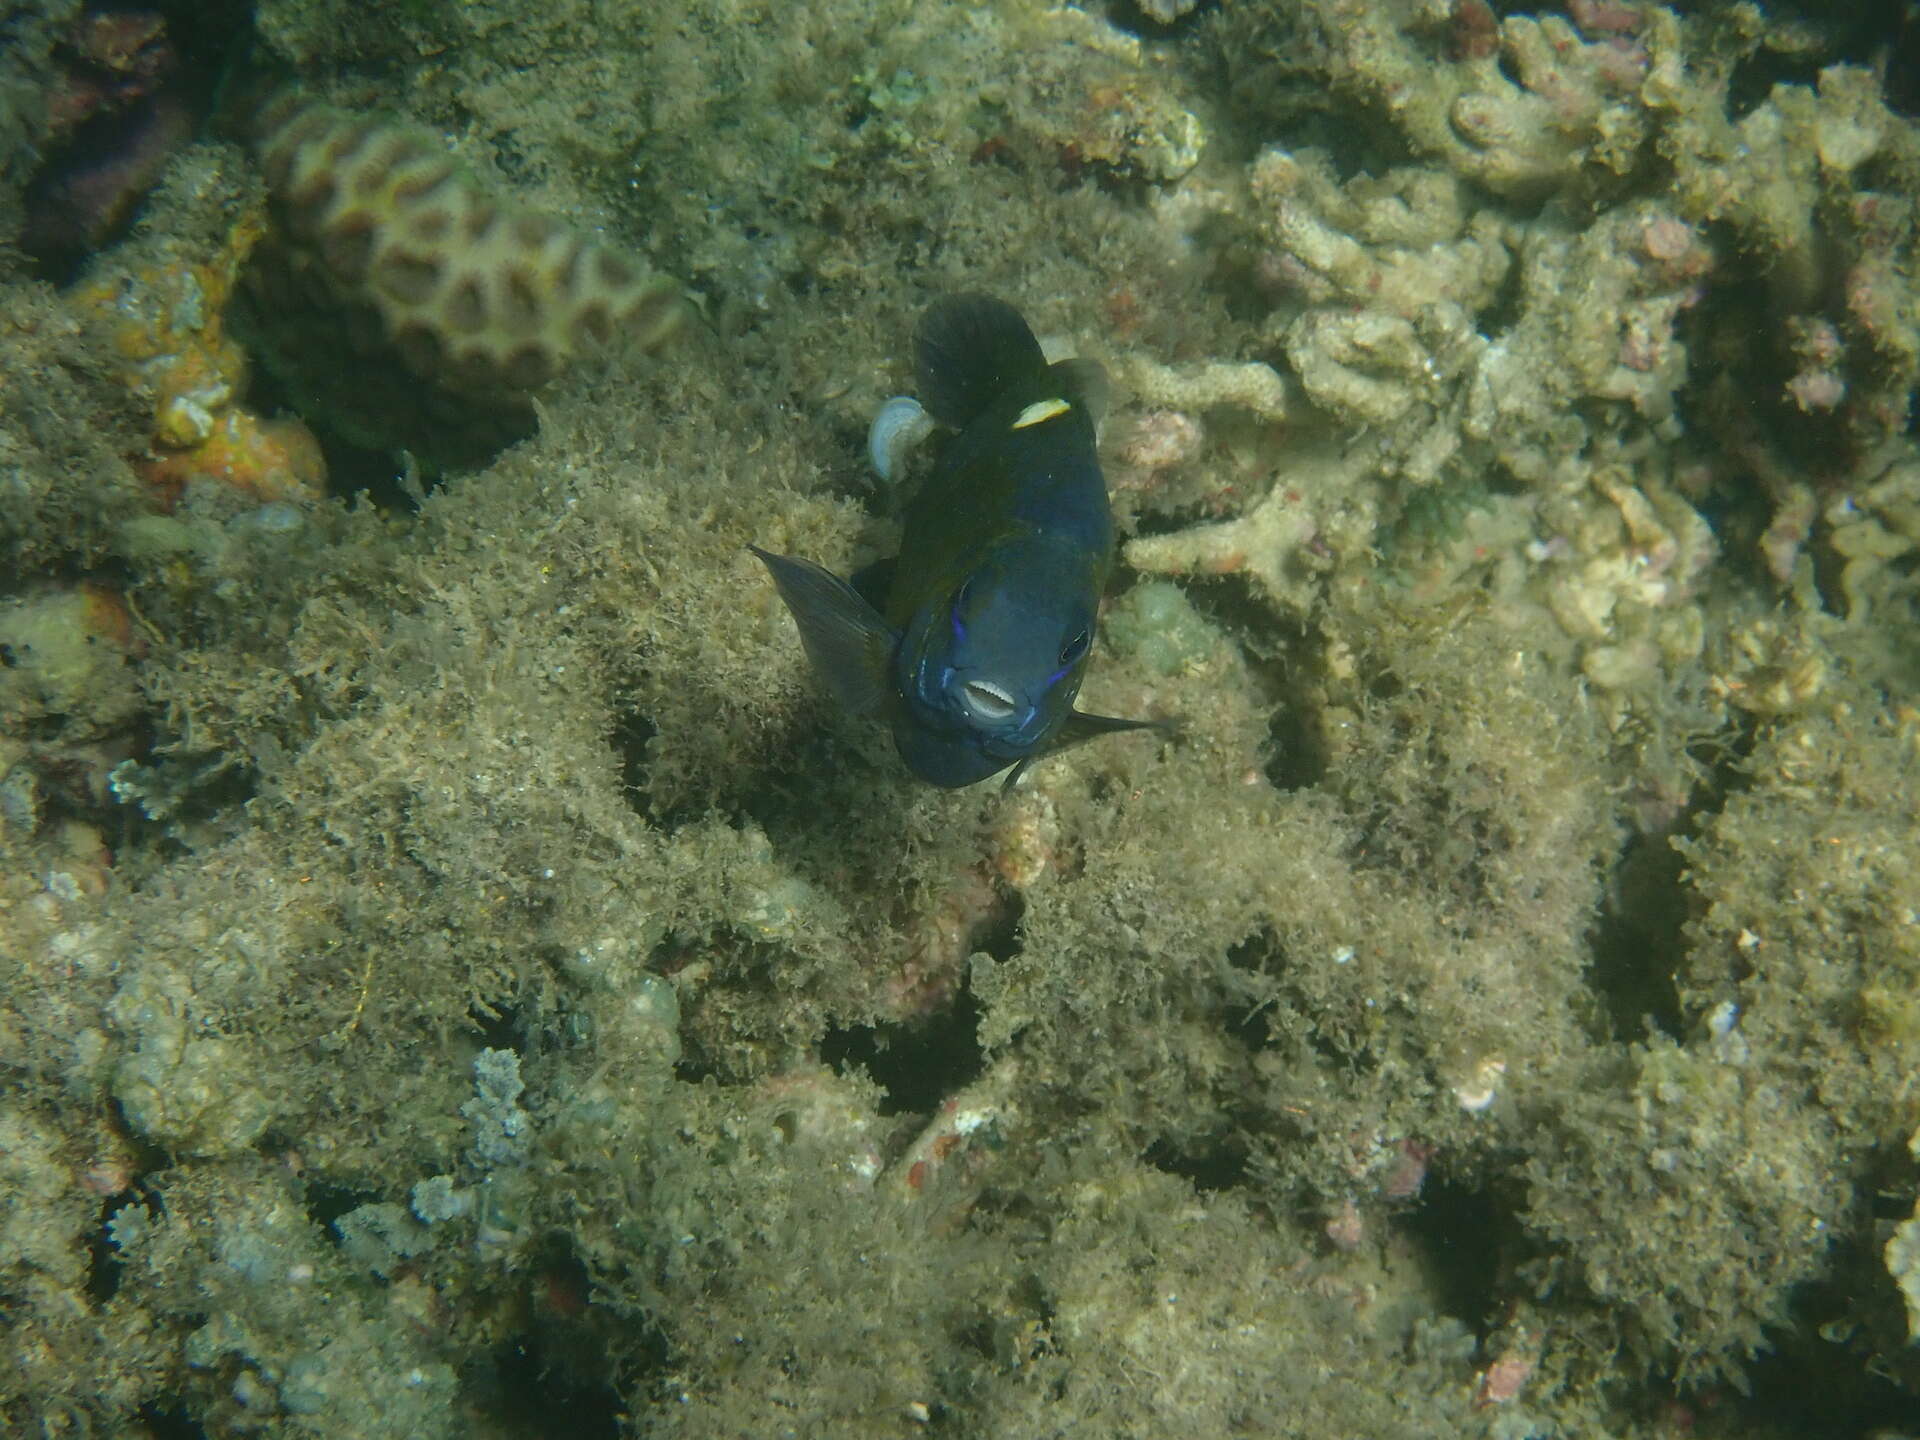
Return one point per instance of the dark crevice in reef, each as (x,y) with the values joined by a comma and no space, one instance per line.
(630,739)
(171,1423)
(785,794)
(1638,940)
(330,364)
(1460,1231)
(355,470)
(1210,1162)
(499,1029)
(1297,758)
(1138,19)
(1639,937)
(919,1065)
(1277,654)
(1215,1153)
(104,1264)
(326,1203)
(1883,37)
(1262,954)
(530,1395)
(554,1375)
(1814,1387)
(129,85)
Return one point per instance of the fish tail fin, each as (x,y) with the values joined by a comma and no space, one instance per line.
(1082,381)
(969,351)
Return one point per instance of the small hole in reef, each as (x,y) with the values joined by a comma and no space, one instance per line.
(919,1065)
(104,1264)
(327,1203)
(173,1423)
(500,1029)
(1299,759)
(1637,941)
(1459,1230)
(1207,1162)
(1158,22)
(535,1389)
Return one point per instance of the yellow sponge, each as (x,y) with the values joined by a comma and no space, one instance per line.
(477,295)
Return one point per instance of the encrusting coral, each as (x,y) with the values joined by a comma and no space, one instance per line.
(476,294)
(159,306)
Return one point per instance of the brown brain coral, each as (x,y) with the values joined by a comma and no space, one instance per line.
(477,295)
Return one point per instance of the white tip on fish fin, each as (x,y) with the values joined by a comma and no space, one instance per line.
(898,426)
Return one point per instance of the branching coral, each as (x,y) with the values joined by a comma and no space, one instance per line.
(1520,107)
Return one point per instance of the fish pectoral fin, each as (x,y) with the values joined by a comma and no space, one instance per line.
(848,642)
(1080,727)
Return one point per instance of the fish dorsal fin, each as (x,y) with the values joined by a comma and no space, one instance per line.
(969,351)
(847,641)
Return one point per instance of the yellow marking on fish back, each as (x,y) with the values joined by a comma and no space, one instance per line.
(1040,410)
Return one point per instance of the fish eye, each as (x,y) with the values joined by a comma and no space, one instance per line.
(1074,648)
(987,700)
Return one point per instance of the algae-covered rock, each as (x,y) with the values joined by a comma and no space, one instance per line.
(458,970)
(183,1091)
(1903,1264)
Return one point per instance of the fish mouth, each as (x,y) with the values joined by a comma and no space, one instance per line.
(988,701)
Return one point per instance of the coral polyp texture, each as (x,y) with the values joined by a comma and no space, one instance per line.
(476,294)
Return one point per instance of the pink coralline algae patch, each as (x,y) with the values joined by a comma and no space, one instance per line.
(1605,15)
(1503,1380)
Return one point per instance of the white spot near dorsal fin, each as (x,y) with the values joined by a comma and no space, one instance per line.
(1040,410)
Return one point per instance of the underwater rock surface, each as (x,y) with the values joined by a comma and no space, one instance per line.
(461,978)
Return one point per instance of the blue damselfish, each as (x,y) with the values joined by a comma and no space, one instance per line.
(974,639)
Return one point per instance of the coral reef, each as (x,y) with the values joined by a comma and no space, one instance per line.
(114,113)
(474,296)
(461,979)
(159,308)
(483,301)
(67,655)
